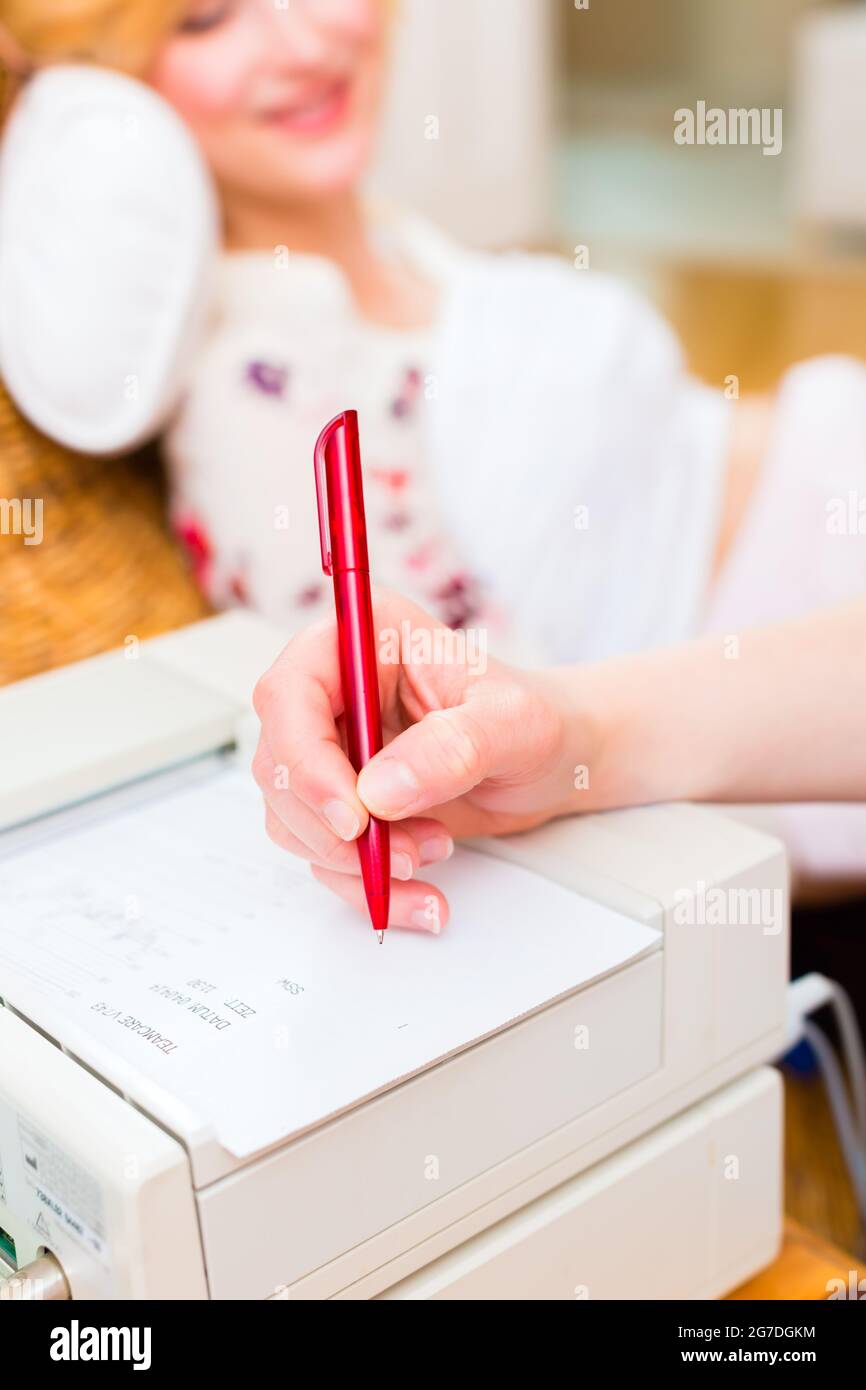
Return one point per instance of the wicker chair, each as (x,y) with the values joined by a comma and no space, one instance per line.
(107,567)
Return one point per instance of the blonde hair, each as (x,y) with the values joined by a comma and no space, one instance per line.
(120,34)
(115,33)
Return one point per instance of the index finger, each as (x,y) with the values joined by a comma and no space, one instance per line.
(298,701)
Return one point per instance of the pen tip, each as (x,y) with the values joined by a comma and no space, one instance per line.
(381,936)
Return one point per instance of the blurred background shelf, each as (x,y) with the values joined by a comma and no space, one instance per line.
(538,123)
(638,197)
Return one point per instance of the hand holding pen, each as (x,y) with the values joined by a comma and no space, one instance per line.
(466,752)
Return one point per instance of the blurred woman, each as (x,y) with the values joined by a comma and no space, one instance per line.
(539,465)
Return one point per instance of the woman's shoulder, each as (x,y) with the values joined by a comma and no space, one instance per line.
(496,307)
(548,290)
(537,278)
(580,326)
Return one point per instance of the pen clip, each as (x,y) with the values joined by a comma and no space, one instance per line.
(320,469)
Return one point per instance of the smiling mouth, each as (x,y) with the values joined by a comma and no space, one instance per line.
(317,114)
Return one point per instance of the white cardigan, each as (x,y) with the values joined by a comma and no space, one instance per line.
(560,452)
(579,465)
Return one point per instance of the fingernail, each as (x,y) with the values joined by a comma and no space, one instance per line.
(436,848)
(388,787)
(420,919)
(401,865)
(342,819)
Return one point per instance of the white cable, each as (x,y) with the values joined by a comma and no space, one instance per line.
(852,1149)
(852,1046)
(805,996)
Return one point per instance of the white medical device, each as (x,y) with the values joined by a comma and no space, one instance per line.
(622,1139)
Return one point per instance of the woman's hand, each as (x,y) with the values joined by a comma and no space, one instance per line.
(472,747)
(486,751)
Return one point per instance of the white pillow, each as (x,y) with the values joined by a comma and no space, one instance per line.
(108,234)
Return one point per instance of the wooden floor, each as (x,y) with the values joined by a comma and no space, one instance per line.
(817,1189)
(805,1268)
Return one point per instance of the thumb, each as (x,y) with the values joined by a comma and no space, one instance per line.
(442,757)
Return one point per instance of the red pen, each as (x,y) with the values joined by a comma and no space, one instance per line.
(343,536)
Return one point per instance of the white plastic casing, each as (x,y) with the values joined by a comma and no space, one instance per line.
(345,1210)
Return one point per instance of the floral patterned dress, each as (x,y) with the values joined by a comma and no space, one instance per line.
(286,352)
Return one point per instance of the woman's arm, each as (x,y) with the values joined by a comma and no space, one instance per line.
(767,715)
(770,714)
